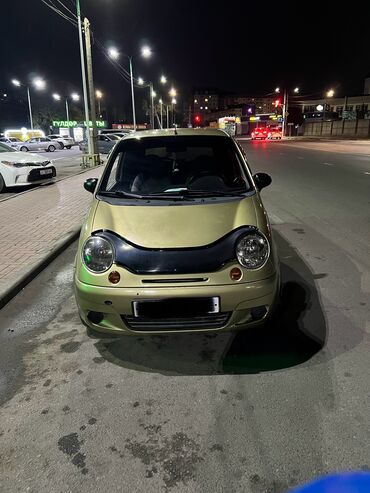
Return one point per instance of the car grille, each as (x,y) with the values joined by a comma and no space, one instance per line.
(35,175)
(210,321)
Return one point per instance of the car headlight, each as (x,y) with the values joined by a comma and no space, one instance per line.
(253,250)
(97,254)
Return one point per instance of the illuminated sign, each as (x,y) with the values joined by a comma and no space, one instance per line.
(74,123)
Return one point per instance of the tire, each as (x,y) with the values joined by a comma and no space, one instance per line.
(2,184)
(67,147)
(51,149)
(23,149)
(61,145)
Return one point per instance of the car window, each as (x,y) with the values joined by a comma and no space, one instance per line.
(157,165)
(5,148)
(32,141)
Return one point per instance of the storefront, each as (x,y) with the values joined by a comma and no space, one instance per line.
(75,129)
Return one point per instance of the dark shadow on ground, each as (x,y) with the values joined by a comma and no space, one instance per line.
(295,334)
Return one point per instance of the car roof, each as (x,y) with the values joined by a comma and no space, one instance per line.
(182,132)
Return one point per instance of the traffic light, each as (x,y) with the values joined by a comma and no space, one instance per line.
(197,119)
(277,103)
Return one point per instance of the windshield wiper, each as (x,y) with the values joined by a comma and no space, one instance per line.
(129,195)
(208,193)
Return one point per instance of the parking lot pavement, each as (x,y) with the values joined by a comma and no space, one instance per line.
(35,225)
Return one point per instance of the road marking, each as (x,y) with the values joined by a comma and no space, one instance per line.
(329,164)
(367,172)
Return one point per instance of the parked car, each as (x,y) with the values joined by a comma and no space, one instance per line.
(38,144)
(11,141)
(65,141)
(20,168)
(176,239)
(259,133)
(274,133)
(121,131)
(105,143)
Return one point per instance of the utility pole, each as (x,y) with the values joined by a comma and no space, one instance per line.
(285,112)
(83,73)
(151,105)
(29,106)
(168,120)
(67,114)
(132,95)
(91,92)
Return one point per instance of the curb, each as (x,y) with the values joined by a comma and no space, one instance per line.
(17,286)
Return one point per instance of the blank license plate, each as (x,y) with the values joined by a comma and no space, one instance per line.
(46,171)
(176,307)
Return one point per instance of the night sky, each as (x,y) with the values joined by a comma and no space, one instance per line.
(239,46)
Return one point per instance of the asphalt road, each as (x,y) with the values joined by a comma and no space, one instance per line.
(258,412)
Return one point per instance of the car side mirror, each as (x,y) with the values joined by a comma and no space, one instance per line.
(262,180)
(90,184)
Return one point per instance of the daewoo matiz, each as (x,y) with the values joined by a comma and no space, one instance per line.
(176,239)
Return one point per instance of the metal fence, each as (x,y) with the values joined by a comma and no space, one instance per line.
(338,128)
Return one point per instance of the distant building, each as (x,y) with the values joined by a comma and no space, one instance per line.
(356,107)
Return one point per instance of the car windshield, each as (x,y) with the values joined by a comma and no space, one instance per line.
(5,148)
(175,165)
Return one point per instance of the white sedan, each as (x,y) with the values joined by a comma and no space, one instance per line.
(23,168)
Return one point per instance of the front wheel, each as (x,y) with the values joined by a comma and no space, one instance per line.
(51,149)
(68,147)
(61,145)
(23,149)
(2,184)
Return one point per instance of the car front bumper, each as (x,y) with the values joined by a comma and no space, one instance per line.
(239,305)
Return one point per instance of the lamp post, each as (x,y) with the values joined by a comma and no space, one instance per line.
(173,101)
(285,106)
(328,94)
(38,84)
(74,97)
(99,95)
(161,110)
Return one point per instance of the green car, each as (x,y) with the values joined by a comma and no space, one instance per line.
(176,239)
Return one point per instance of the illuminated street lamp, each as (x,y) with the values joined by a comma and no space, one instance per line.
(140,81)
(163,79)
(146,52)
(330,93)
(154,94)
(173,92)
(38,83)
(277,89)
(113,53)
(75,96)
(296,90)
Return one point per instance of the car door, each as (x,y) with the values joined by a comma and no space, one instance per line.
(103,142)
(33,144)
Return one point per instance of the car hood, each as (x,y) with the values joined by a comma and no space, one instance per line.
(23,157)
(177,226)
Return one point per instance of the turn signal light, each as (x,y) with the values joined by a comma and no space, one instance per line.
(114,277)
(236,274)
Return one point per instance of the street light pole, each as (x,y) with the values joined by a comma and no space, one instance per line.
(83,73)
(67,113)
(168,121)
(161,108)
(132,94)
(151,104)
(29,106)
(94,143)
(285,112)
